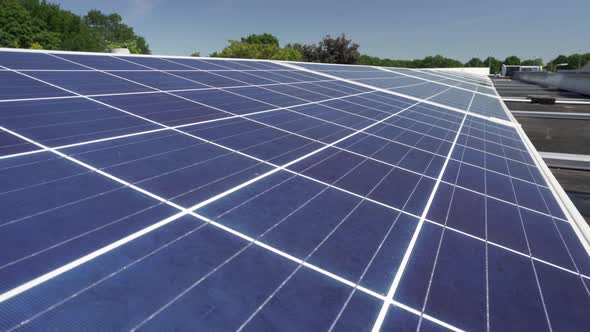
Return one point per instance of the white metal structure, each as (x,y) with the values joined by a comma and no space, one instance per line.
(508,70)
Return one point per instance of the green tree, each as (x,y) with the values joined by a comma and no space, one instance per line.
(532,62)
(575,61)
(560,59)
(332,50)
(196,54)
(17,28)
(265,38)
(475,62)
(494,64)
(39,24)
(112,32)
(512,60)
(61,29)
(370,60)
(239,49)
(36,46)
(437,61)
(296,46)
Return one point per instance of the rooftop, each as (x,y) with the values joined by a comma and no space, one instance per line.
(563,127)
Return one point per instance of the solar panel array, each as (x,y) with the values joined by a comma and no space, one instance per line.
(169,193)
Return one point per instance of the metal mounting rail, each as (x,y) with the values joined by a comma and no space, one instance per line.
(557,101)
(566,160)
(552,115)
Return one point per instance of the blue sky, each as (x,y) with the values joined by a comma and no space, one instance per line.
(397,29)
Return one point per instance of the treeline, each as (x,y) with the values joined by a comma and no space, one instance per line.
(266,46)
(328,50)
(437,61)
(569,62)
(345,51)
(42,25)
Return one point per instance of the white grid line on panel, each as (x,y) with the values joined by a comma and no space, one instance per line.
(396,280)
(499,121)
(190,211)
(393,70)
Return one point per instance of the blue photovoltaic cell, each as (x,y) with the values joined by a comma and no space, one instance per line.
(20,60)
(231,101)
(154,166)
(296,91)
(61,194)
(164,108)
(489,106)
(334,68)
(427,76)
(464,77)
(210,79)
(16,86)
(460,99)
(155,63)
(246,78)
(161,81)
(315,196)
(326,91)
(66,121)
(423,90)
(199,64)
(89,82)
(302,76)
(268,96)
(422,85)
(11,144)
(275,76)
(230,64)
(99,62)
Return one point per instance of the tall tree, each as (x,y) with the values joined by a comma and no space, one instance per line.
(573,61)
(494,64)
(68,29)
(265,38)
(475,62)
(512,60)
(43,25)
(437,61)
(532,62)
(332,50)
(560,59)
(296,46)
(113,33)
(17,28)
(239,49)
(576,61)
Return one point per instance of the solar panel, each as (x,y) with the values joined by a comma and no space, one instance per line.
(171,193)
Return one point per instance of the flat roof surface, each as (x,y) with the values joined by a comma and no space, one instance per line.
(562,108)
(554,134)
(508,87)
(548,134)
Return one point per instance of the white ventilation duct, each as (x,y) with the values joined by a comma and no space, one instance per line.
(120,51)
